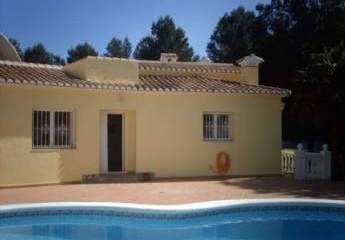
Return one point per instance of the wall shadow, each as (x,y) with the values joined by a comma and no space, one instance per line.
(287,186)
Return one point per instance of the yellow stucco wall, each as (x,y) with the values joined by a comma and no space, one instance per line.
(250,75)
(163,133)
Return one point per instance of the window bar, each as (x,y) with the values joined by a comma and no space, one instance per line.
(217,125)
(45,124)
(44,128)
(209,127)
(221,135)
(68,135)
(35,128)
(65,128)
(229,126)
(225,136)
(72,127)
(56,120)
(224,127)
(69,129)
(204,126)
(60,128)
(56,133)
(213,126)
(213,129)
(221,122)
(49,142)
(221,126)
(50,129)
(47,130)
(38,129)
(56,130)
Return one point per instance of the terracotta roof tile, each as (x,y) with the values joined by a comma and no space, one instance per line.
(39,74)
(191,67)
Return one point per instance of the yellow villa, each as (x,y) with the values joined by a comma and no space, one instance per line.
(105,115)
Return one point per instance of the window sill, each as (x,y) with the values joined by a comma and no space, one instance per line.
(53,149)
(219,140)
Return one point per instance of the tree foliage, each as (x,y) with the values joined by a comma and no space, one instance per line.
(237,34)
(165,37)
(302,42)
(39,54)
(17,46)
(119,48)
(80,51)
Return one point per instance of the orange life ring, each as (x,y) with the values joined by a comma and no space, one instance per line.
(222,163)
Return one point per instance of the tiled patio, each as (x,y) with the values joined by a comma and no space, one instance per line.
(175,192)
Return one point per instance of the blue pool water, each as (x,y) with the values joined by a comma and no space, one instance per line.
(255,221)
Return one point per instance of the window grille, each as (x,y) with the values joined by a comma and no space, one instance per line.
(52,129)
(217,126)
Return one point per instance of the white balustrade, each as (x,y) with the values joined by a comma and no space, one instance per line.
(307,165)
(288,161)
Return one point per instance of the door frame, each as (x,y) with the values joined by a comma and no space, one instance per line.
(104,140)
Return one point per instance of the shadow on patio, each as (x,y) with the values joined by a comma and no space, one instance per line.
(289,187)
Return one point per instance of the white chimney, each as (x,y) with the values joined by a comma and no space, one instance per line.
(250,69)
(168,57)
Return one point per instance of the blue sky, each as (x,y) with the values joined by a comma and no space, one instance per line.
(60,24)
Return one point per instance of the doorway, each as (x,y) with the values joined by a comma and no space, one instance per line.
(115,142)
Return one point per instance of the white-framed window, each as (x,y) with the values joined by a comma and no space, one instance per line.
(52,129)
(217,126)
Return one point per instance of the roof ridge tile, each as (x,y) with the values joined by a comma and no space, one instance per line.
(28,64)
(47,75)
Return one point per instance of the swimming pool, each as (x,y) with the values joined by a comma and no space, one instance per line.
(241,219)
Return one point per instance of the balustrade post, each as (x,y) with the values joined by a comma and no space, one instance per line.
(300,163)
(326,155)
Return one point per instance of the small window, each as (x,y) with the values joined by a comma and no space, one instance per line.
(217,126)
(52,129)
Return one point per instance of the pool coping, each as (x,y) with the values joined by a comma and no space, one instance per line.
(172,209)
